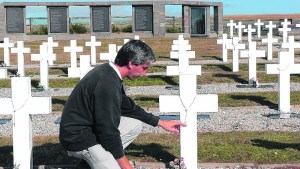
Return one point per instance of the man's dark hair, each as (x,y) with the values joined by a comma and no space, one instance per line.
(135,51)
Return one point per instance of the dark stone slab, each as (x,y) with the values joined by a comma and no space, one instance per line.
(143,18)
(100,18)
(15,19)
(58,17)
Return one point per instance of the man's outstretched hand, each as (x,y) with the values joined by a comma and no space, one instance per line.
(171,125)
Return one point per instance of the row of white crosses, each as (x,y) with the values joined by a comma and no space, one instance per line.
(188,103)
(285,29)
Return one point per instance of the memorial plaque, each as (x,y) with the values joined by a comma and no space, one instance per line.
(100,19)
(15,19)
(58,19)
(143,18)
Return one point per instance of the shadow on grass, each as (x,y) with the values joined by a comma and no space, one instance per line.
(35,83)
(58,101)
(258,99)
(13,71)
(64,70)
(274,145)
(217,58)
(46,154)
(153,150)
(168,79)
(236,78)
(225,68)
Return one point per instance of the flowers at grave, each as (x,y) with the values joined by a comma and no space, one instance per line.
(178,163)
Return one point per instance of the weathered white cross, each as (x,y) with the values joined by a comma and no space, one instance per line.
(271,26)
(240,28)
(270,40)
(20,50)
(22,106)
(235,46)
(50,44)
(259,24)
(224,41)
(44,58)
(93,44)
(252,54)
(188,103)
(111,55)
(249,30)
(73,71)
(231,24)
(291,45)
(85,65)
(285,30)
(284,69)
(6,45)
(3,72)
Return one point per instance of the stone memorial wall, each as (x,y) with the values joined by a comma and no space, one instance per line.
(149,19)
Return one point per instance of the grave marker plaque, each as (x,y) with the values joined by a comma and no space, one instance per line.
(58,17)
(15,19)
(100,18)
(143,18)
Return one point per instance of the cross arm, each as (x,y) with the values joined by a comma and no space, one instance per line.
(170,103)
(272,69)
(191,70)
(6,106)
(189,54)
(205,103)
(38,105)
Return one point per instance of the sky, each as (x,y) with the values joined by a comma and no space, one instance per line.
(231,7)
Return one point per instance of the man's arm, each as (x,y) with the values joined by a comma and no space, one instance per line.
(171,125)
(124,163)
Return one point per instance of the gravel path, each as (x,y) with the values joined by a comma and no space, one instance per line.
(226,119)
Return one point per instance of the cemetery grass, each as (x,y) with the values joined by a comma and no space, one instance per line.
(269,99)
(225,147)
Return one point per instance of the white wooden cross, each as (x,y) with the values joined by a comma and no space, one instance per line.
(252,54)
(93,44)
(249,30)
(22,106)
(224,41)
(270,26)
(259,24)
(111,55)
(3,72)
(20,50)
(240,28)
(73,71)
(285,30)
(188,103)
(270,40)
(291,45)
(50,44)
(231,24)
(284,69)
(6,45)
(85,65)
(235,46)
(44,58)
